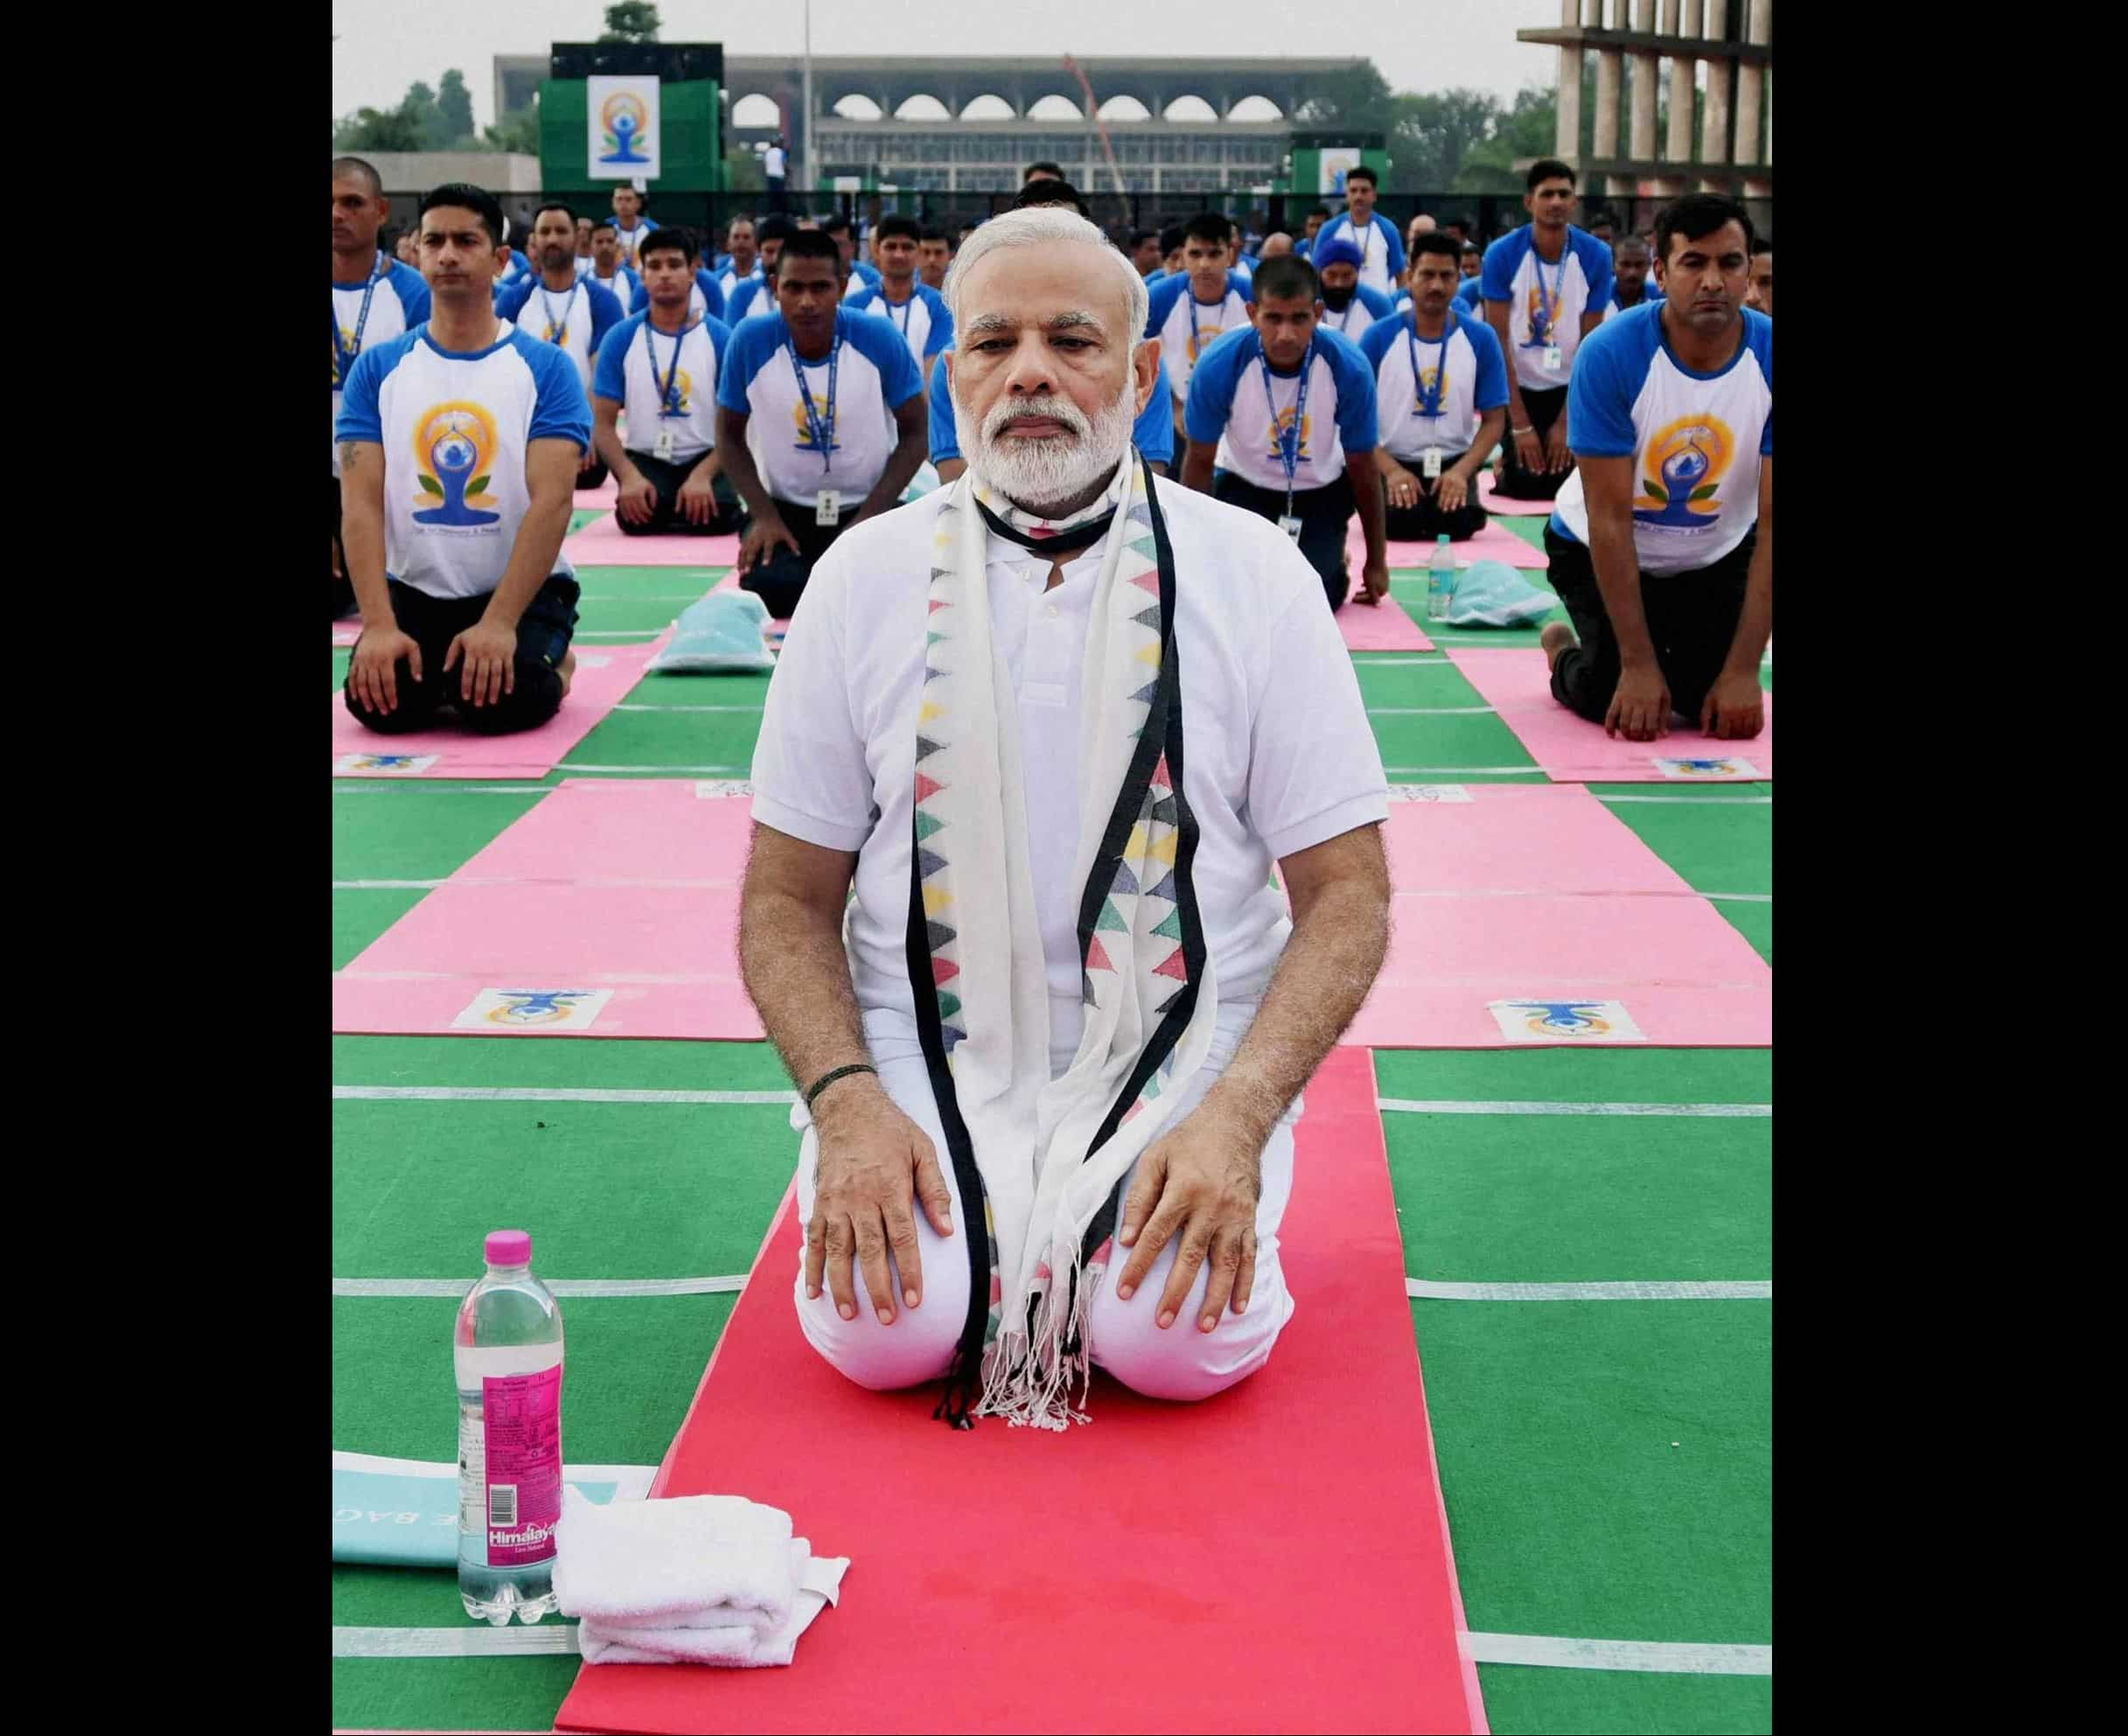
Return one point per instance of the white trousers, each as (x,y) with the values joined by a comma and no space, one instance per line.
(1181,1362)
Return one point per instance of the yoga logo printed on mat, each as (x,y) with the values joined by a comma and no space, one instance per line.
(711,789)
(1566,1022)
(1430,793)
(393,765)
(520,1010)
(1726,768)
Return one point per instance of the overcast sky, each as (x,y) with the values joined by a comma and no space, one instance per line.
(1419,45)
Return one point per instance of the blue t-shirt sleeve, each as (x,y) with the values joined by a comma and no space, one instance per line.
(1490,389)
(510,298)
(1395,246)
(1243,281)
(1609,369)
(560,411)
(1212,383)
(1466,293)
(605,313)
(412,293)
(610,377)
(877,339)
(1355,420)
(359,417)
(752,343)
(1154,433)
(1758,332)
(945,436)
(941,325)
(1597,267)
(712,293)
(1375,341)
(1161,301)
(1497,277)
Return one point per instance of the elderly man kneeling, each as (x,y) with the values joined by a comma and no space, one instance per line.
(1057,720)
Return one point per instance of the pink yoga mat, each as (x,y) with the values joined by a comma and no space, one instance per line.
(629,887)
(1494,542)
(605,544)
(1543,895)
(1386,626)
(346,633)
(603,676)
(1507,505)
(1572,750)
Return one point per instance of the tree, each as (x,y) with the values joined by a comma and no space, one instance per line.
(518,132)
(742,172)
(1358,96)
(370,129)
(454,105)
(1527,130)
(1433,134)
(631,21)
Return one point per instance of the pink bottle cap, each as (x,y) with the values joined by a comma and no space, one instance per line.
(509,1247)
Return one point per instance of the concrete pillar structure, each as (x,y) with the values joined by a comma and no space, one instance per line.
(1680,20)
(1566,136)
(1642,146)
(1751,82)
(1714,123)
(1611,67)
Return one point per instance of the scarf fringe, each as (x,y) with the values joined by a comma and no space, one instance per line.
(1027,1381)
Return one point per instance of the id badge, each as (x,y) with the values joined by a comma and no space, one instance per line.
(1290,525)
(827,510)
(1554,360)
(1429,466)
(665,446)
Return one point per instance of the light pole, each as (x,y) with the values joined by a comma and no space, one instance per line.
(804,166)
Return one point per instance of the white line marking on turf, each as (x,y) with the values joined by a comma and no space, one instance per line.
(386,885)
(1741,897)
(1627,1291)
(371,786)
(670,770)
(1712,801)
(442,1287)
(546,1094)
(1542,1649)
(1380,661)
(687,707)
(545,1639)
(593,883)
(1464,770)
(1431,710)
(1475,1106)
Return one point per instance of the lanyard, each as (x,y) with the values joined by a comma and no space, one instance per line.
(821,427)
(668,400)
(343,359)
(1289,438)
(909,309)
(1428,403)
(1190,295)
(1548,304)
(568,308)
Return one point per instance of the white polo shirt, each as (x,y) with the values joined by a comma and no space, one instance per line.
(1280,754)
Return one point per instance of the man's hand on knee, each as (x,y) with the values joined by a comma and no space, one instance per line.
(1736,708)
(874,1163)
(489,652)
(372,672)
(1200,1182)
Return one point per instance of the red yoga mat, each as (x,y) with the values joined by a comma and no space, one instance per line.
(1572,750)
(1276,1559)
(604,677)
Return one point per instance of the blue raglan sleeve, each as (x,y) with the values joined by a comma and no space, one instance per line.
(1497,277)
(1376,304)
(360,419)
(878,340)
(605,313)
(1490,391)
(1758,332)
(945,436)
(1236,279)
(1161,301)
(1608,371)
(742,301)
(1154,433)
(1596,266)
(1395,246)
(713,294)
(1466,293)
(412,293)
(743,358)
(510,298)
(610,376)
(1375,341)
(941,336)
(1356,418)
(1213,382)
(560,411)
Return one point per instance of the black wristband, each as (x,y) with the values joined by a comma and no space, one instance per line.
(834,1073)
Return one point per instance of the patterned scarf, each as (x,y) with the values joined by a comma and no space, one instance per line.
(1048,1158)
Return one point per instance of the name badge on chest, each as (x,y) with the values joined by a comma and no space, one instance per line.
(664,445)
(1554,358)
(1429,466)
(1290,525)
(827,508)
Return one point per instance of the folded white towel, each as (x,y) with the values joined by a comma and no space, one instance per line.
(654,1558)
(732,1648)
(722,1615)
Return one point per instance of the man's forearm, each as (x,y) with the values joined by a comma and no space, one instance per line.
(950,469)
(1491,426)
(532,557)
(738,462)
(1325,974)
(902,464)
(1197,467)
(607,439)
(1518,413)
(362,537)
(1373,522)
(792,962)
(1755,623)
(1617,563)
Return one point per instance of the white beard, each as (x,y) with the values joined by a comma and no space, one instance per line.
(1035,474)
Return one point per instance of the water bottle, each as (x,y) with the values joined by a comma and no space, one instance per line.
(1440,581)
(508,1349)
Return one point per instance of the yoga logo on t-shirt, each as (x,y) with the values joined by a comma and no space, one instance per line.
(454,448)
(621,119)
(1681,470)
(1274,440)
(1541,324)
(806,442)
(683,383)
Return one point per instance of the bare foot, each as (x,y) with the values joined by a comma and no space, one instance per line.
(566,669)
(1556,638)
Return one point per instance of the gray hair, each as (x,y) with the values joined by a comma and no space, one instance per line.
(1036,226)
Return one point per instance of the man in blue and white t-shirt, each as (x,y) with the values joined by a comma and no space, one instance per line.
(1544,286)
(1441,402)
(631,226)
(459,449)
(556,306)
(1380,248)
(1349,306)
(1285,409)
(820,421)
(914,310)
(374,300)
(620,281)
(1634,264)
(1187,312)
(1661,542)
(661,366)
(857,274)
(743,263)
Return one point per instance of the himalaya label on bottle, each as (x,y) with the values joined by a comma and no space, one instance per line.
(521,1465)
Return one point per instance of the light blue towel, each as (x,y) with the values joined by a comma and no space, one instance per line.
(1492,594)
(718,634)
(404,1512)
